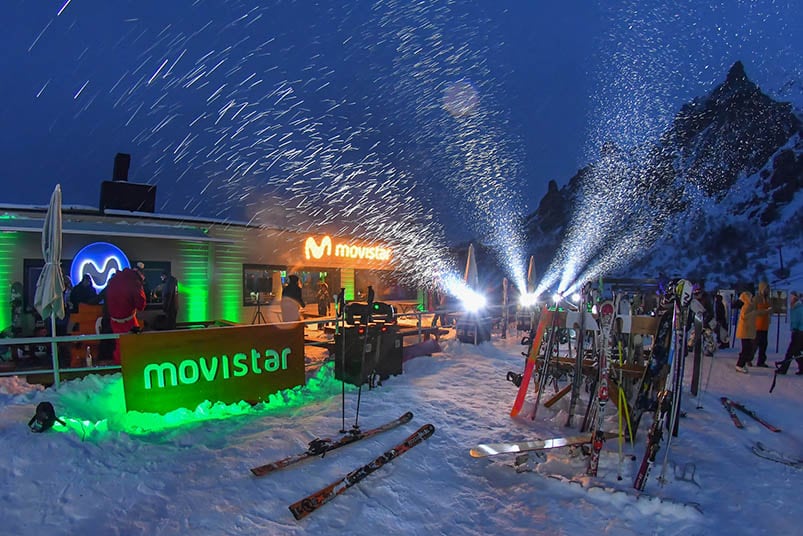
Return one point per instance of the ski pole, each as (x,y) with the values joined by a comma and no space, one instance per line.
(705,385)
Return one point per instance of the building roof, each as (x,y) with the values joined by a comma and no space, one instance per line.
(112,227)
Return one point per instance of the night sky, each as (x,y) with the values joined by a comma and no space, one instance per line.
(453,113)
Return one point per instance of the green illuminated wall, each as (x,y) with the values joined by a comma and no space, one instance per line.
(228,277)
(347,282)
(193,285)
(8,241)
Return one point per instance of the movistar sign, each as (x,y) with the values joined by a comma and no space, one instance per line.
(314,249)
(165,370)
(209,369)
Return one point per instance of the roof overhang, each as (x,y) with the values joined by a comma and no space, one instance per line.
(123,228)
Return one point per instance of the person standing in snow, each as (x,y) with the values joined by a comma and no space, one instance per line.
(324,298)
(764,311)
(795,350)
(169,299)
(721,319)
(746,330)
(292,303)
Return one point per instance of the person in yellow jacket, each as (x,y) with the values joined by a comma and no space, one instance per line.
(763,309)
(746,330)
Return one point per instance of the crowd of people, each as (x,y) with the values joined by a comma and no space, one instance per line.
(752,330)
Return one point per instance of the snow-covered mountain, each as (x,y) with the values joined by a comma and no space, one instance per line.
(717,198)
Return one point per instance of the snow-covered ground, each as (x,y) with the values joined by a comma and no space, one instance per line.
(108,472)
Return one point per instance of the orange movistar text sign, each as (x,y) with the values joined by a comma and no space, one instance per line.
(166,370)
(326,247)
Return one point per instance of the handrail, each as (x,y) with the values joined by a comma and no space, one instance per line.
(57,370)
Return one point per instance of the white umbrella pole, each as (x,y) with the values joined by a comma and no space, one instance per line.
(54,351)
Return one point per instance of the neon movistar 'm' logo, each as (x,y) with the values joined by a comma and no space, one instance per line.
(100,261)
(100,276)
(191,371)
(314,251)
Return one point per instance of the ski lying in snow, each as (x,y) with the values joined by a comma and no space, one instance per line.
(492,449)
(736,405)
(759,449)
(732,412)
(307,505)
(319,447)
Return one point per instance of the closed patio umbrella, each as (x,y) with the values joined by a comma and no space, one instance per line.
(531,275)
(471,276)
(49,300)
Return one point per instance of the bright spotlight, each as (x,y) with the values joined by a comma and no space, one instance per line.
(576,297)
(557,297)
(472,301)
(528,299)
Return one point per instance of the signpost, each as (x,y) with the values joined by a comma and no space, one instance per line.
(166,370)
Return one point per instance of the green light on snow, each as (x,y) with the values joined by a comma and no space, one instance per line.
(103,412)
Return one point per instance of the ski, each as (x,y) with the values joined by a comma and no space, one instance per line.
(319,447)
(654,437)
(532,357)
(759,449)
(749,412)
(656,369)
(607,317)
(492,449)
(732,412)
(309,504)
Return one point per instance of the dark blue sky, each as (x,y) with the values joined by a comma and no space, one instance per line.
(221,102)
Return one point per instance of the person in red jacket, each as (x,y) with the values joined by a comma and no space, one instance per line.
(125,295)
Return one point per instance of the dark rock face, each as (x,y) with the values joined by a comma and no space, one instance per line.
(714,143)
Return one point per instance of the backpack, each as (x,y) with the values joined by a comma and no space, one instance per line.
(44,418)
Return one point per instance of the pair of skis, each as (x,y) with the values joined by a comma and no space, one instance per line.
(731,406)
(319,447)
(758,448)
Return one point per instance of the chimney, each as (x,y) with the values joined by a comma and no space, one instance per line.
(119,194)
(121,163)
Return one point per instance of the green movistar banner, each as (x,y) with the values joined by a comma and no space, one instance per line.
(166,370)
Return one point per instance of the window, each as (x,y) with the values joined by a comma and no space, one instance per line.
(262,283)
(153,278)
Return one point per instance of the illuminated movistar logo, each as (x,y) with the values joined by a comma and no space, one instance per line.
(191,371)
(99,260)
(100,276)
(313,250)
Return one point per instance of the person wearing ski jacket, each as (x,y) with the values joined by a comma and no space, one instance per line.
(796,343)
(125,295)
(721,320)
(764,311)
(292,303)
(746,330)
